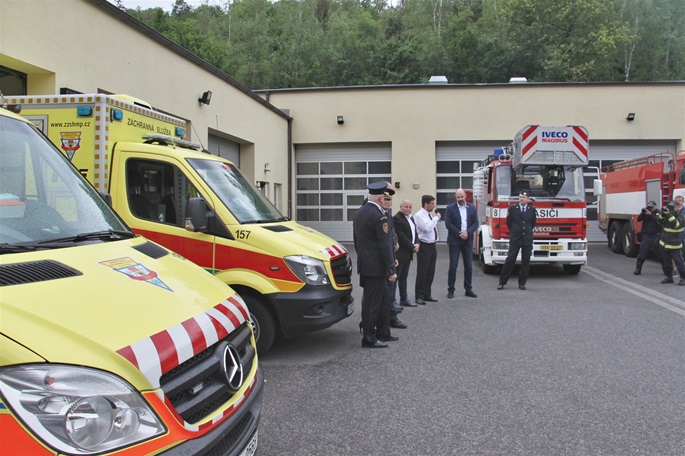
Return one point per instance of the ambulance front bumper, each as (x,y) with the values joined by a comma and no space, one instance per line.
(312,308)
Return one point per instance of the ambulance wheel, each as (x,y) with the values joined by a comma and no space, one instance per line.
(263,323)
(571,268)
(630,248)
(615,233)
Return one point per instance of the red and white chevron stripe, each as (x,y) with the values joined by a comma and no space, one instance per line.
(334,251)
(161,352)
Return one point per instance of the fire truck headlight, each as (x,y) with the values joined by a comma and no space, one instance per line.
(499,245)
(577,245)
(308,269)
(78,410)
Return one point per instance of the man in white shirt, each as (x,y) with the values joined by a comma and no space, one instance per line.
(427,231)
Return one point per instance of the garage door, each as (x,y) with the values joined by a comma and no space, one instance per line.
(331,182)
(455,161)
(225,148)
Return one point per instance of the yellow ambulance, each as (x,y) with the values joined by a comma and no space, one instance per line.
(109,343)
(292,278)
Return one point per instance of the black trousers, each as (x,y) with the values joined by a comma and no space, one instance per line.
(669,257)
(375,308)
(402,275)
(509,263)
(425,270)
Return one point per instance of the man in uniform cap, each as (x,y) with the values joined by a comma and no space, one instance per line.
(375,266)
(650,233)
(521,220)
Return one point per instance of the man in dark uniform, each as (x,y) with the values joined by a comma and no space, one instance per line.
(521,220)
(650,233)
(375,265)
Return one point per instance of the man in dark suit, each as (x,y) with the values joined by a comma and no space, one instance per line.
(521,220)
(376,267)
(409,244)
(461,221)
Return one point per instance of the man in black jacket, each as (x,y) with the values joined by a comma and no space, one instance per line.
(375,265)
(409,244)
(650,233)
(521,220)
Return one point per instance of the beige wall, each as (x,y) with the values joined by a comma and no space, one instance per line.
(80,45)
(414,118)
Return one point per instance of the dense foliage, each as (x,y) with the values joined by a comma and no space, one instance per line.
(321,43)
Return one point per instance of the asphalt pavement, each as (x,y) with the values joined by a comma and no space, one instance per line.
(587,364)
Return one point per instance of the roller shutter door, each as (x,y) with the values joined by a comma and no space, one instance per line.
(331,182)
(224,148)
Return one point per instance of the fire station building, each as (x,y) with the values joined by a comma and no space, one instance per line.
(312,151)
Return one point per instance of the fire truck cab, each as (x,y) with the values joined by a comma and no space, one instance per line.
(547,162)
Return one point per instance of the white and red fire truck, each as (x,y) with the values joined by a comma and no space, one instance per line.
(624,188)
(548,163)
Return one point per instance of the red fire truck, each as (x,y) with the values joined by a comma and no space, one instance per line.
(548,163)
(624,188)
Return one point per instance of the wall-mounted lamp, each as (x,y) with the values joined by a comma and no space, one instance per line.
(630,117)
(205,98)
(397,184)
(341,120)
(415,185)
(266,168)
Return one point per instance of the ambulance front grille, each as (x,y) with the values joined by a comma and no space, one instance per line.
(342,270)
(199,386)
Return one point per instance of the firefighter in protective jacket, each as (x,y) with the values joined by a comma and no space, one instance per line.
(673,223)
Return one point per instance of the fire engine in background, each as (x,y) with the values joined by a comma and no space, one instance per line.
(292,278)
(547,162)
(109,343)
(624,188)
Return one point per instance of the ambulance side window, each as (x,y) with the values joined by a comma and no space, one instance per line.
(164,186)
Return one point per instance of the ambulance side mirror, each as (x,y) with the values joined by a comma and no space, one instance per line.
(196,219)
(597,187)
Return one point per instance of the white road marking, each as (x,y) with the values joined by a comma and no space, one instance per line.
(667,302)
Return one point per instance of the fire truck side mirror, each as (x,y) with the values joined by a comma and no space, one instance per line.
(682,176)
(597,187)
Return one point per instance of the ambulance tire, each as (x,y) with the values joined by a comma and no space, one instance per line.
(263,323)
(630,248)
(615,233)
(571,269)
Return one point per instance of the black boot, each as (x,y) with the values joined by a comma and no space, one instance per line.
(638,267)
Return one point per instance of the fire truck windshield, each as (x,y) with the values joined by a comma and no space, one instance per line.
(547,182)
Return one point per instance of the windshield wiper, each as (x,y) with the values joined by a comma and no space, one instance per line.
(245,222)
(107,235)
(14,248)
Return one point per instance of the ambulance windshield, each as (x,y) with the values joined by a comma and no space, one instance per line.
(548,182)
(246,203)
(43,198)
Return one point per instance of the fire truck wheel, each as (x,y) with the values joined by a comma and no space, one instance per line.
(571,268)
(630,248)
(615,232)
(263,323)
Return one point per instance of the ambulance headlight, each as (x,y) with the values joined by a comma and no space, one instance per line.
(78,410)
(308,269)
(576,245)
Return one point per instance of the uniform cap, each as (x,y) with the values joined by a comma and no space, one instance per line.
(651,204)
(672,205)
(380,188)
(523,192)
